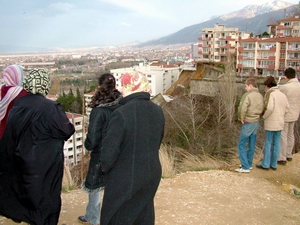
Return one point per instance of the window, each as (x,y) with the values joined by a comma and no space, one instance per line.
(70,149)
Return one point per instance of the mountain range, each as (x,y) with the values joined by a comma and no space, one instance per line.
(252,18)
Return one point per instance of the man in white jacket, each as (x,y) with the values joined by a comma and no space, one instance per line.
(292,91)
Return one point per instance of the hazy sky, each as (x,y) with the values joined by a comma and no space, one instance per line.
(74,23)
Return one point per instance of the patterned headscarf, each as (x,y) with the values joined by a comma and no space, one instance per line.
(37,81)
(13,75)
(134,82)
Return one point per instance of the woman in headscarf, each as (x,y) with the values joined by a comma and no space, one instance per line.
(129,155)
(36,129)
(11,89)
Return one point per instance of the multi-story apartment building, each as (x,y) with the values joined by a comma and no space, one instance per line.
(160,76)
(218,43)
(73,147)
(87,100)
(268,57)
(287,27)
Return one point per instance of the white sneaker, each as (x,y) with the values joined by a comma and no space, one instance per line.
(241,170)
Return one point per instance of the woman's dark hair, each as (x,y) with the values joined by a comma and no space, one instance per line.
(106,91)
(270,82)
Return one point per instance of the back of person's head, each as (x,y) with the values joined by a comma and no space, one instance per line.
(251,81)
(106,91)
(290,73)
(270,82)
(37,81)
(134,82)
(13,75)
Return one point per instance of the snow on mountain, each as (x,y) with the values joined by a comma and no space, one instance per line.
(251,11)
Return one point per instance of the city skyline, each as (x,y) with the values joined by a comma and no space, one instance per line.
(62,24)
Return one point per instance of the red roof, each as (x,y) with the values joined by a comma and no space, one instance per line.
(69,115)
(290,19)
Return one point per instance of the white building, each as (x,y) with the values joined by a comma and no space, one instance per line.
(73,147)
(160,76)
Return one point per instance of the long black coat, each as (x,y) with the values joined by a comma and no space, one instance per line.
(98,122)
(30,188)
(130,161)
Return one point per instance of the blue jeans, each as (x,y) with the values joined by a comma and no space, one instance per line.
(92,213)
(271,149)
(247,136)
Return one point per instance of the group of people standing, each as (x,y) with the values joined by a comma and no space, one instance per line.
(279,109)
(124,135)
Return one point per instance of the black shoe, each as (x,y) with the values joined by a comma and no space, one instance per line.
(289,159)
(281,162)
(81,219)
(273,168)
(260,167)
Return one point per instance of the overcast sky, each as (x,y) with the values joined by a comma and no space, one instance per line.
(74,23)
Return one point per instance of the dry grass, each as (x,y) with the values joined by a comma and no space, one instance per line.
(177,160)
(191,162)
(167,160)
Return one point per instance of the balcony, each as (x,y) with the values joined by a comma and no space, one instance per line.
(271,67)
(272,57)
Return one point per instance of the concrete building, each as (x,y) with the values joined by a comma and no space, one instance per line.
(287,27)
(73,147)
(218,43)
(268,57)
(87,100)
(195,51)
(160,76)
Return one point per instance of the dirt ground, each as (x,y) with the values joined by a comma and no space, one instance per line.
(215,197)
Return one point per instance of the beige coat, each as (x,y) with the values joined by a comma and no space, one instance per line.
(292,91)
(276,106)
(251,106)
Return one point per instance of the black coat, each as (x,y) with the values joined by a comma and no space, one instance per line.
(30,189)
(130,161)
(98,122)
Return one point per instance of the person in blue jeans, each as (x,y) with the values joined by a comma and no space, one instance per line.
(276,106)
(104,102)
(249,112)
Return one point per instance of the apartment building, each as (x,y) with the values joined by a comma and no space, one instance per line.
(287,27)
(268,57)
(160,75)
(87,100)
(73,147)
(218,43)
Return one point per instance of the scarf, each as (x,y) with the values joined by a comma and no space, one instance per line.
(134,82)
(13,75)
(37,82)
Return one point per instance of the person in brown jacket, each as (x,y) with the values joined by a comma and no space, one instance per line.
(276,106)
(292,91)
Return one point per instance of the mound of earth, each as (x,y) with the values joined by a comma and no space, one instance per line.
(215,197)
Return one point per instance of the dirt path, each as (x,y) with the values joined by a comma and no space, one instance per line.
(215,197)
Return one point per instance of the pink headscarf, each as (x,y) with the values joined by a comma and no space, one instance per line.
(13,75)
(134,82)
